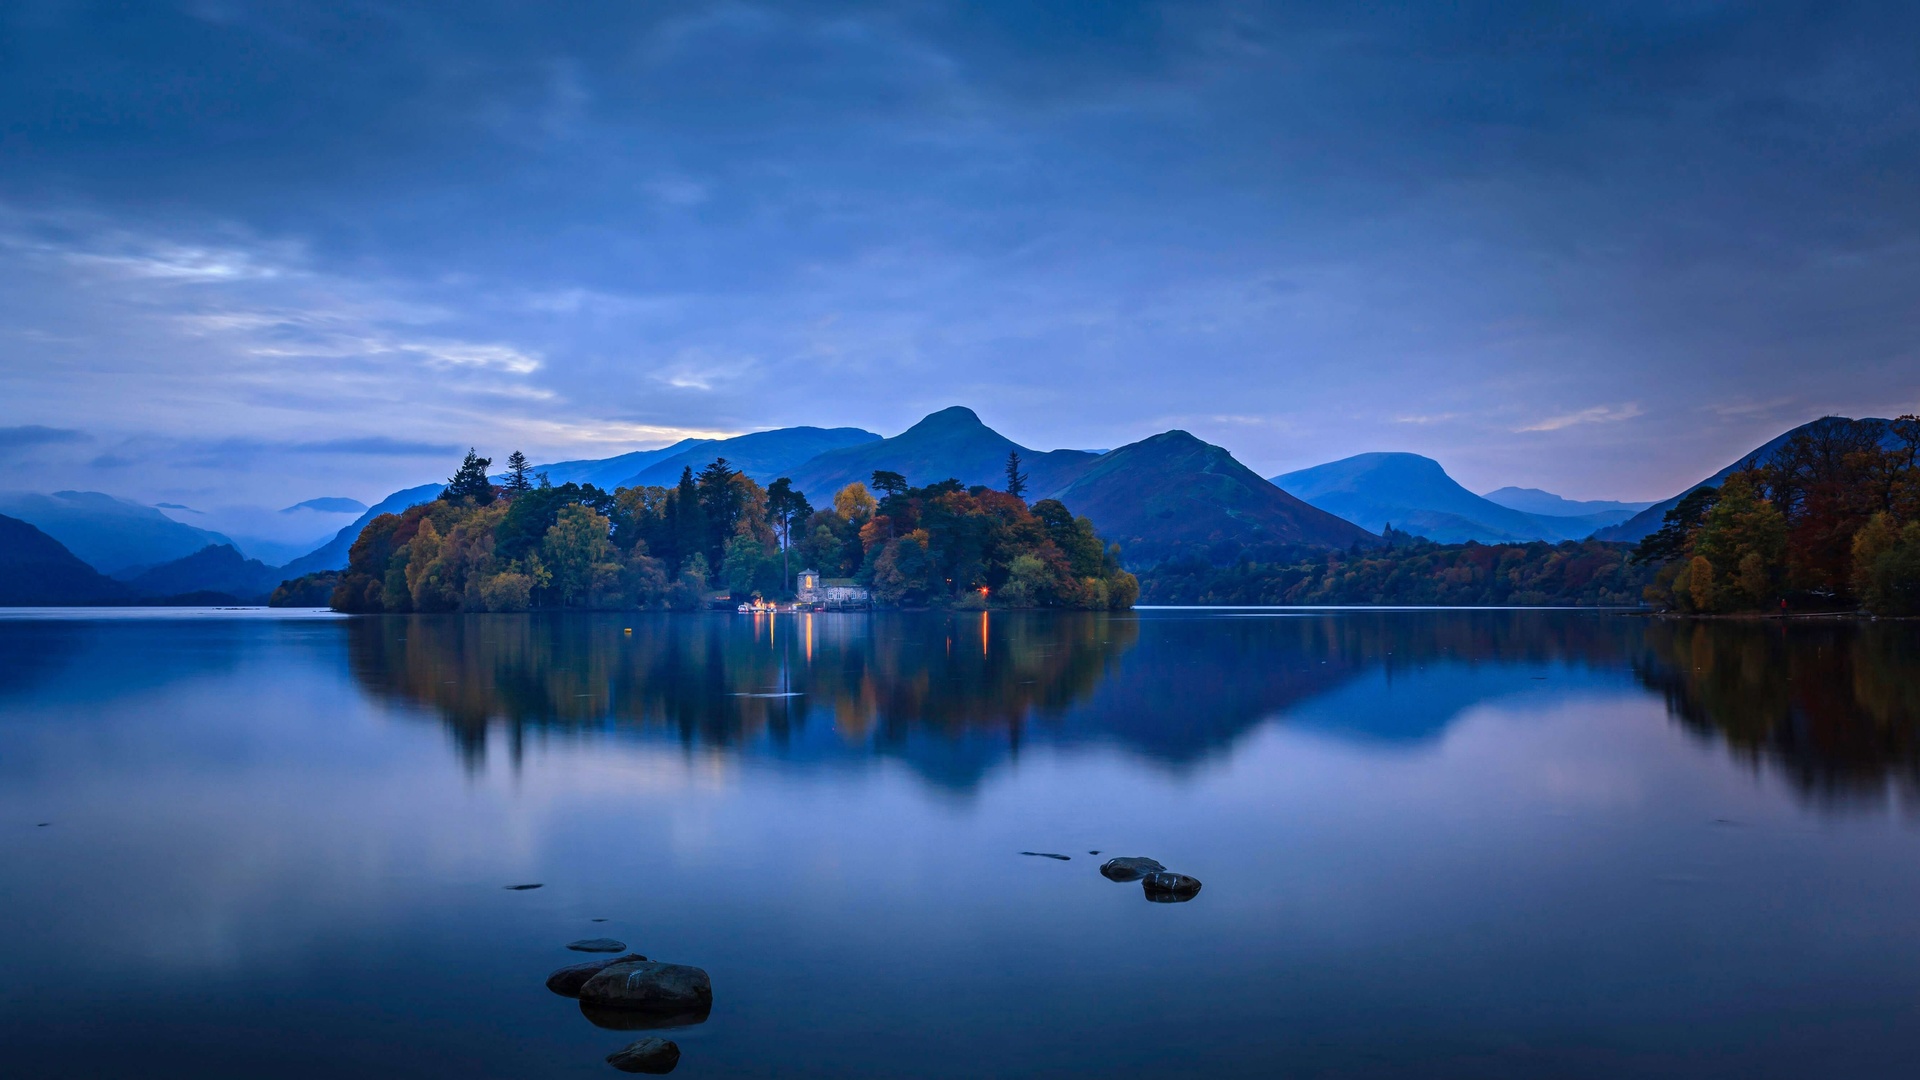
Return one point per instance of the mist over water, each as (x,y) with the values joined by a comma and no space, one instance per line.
(1434,843)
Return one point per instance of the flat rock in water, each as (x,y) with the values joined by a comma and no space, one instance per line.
(568,980)
(1130,868)
(596,944)
(650,1055)
(650,986)
(1165,888)
(612,1019)
(1048,855)
(522,888)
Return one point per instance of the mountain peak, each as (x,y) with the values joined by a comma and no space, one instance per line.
(951,418)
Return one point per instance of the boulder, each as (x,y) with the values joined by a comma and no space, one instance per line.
(1129,868)
(1165,888)
(568,980)
(596,944)
(612,1019)
(649,1055)
(649,986)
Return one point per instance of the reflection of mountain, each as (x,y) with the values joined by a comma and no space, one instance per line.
(1832,706)
(954,695)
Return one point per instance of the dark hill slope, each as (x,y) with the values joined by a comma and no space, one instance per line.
(333,554)
(111,535)
(35,570)
(764,455)
(1415,494)
(950,443)
(217,568)
(1646,522)
(609,473)
(1173,492)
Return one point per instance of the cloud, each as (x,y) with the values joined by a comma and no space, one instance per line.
(26,436)
(1599,414)
(375,446)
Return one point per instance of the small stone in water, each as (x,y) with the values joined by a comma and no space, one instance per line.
(651,1055)
(1129,868)
(1165,888)
(596,944)
(523,888)
(568,980)
(1049,855)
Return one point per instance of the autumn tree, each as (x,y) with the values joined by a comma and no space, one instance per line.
(469,483)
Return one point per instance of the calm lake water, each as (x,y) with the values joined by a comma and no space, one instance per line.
(1434,843)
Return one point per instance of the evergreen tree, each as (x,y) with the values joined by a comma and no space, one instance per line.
(888,483)
(686,521)
(470,482)
(1016,480)
(517,478)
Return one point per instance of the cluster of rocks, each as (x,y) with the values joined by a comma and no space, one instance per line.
(1160,885)
(632,993)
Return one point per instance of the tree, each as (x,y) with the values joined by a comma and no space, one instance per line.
(686,521)
(1675,534)
(517,477)
(1016,480)
(854,503)
(573,550)
(889,483)
(1744,538)
(469,482)
(784,506)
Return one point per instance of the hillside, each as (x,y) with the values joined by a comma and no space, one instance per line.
(1536,501)
(1647,521)
(950,443)
(609,473)
(36,570)
(1172,493)
(217,568)
(1414,494)
(763,455)
(111,535)
(333,554)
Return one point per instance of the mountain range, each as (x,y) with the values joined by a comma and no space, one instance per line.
(1414,494)
(1166,495)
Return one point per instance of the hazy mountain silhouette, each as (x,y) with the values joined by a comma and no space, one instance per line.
(114,536)
(333,554)
(764,455)
(1414,494)
(1536,501)
(37,570)
(217,568)
(951,443)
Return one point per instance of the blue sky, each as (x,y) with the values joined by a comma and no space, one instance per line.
(260,252)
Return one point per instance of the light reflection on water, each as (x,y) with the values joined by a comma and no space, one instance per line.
(1434,843)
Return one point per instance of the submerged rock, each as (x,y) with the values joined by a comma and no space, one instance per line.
(1129,868)
(568,980)
(650,1055)
(522,888)
(1049,855)
(1165,888)
(653,987)
(612,1019)
(596,944)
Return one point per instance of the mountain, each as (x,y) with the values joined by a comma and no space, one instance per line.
(950,443)
(609,473)
(333,554)
(217,568)
(1172,491)
(1647,521)
(1535,501)
(112,535)
(764,455)
(35,570)
(1416,495)
(327,505)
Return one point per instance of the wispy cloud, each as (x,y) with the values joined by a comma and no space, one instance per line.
(25,436)
(1598,414)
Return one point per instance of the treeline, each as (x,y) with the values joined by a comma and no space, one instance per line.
(527,543)
(1411,570)
(1831,521)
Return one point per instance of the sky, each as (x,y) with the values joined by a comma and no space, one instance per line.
(257,252)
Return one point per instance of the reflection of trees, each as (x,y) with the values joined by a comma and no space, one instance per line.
(722,681)
(1834,706)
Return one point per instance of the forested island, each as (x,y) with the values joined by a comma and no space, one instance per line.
(526,543)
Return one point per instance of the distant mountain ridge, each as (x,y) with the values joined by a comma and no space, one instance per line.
(763,455)
(218,568)
(1536,501)
(1415,494)
(38,571)
(114,536)
(951,443)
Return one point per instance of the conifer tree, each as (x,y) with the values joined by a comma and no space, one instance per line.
(517,478)
(1016,480)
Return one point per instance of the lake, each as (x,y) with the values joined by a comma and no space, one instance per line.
(1433,843)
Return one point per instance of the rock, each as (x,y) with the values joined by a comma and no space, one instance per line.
(650,986)
(568,980)
(1166,888)
(649,1055)
(1049,855)
(1129,868)
(522,888)
(596,944)
(612,1019)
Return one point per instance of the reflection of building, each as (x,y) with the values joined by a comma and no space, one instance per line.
(829,592)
